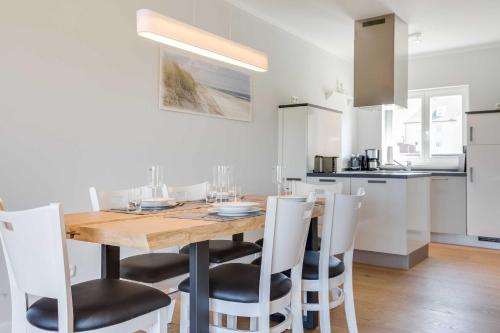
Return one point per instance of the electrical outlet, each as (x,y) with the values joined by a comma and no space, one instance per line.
(294,99)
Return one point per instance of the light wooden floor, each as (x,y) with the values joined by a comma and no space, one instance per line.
(456,290)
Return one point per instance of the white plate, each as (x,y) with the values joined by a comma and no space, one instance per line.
(233,214)
(236,206)
(157,203)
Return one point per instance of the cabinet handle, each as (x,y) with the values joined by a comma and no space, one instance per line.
(471,132)
(439,178)
(328,180)
(294,179)
(471,174)
(377,181)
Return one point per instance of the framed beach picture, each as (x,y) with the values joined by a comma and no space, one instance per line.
(197,86)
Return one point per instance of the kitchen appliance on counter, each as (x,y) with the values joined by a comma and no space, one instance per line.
(358,162)
(325,164)
(372,159)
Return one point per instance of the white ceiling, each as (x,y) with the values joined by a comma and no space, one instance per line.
(444,24)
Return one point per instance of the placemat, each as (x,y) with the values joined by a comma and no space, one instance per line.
(214,217)
(180,207)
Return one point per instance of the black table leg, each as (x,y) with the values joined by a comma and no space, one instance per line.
(110,262)
(238,237)
(311,320)
(198,288)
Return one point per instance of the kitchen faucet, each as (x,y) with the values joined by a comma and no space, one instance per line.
(407,167)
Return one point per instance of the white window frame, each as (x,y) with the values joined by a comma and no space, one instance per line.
(425,158)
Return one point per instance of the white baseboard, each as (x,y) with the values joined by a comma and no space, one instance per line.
(463,240)
(5,327)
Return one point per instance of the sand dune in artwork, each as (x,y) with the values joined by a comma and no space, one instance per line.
(181,91)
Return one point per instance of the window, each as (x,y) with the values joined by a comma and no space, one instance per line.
(430,130)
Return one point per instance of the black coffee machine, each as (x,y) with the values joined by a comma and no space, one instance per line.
(358,163)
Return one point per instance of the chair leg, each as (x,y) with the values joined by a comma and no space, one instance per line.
(324,312)
(184,315)
(232,322)
(253,324)
(350,312)
(296,307)
(170,310)
(217,319)
(161,322)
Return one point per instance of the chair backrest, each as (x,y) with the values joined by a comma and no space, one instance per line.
(301,188)
(285,233)
(117,199)
(340,222)
(34,246)
(188,193)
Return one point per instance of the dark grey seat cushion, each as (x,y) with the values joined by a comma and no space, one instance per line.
(154,267)
(310,270)
(98,304)
(222,251)
(240,283)
(260,242)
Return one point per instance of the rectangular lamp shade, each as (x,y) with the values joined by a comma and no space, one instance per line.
(174,33)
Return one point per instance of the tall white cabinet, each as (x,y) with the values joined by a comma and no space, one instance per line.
(483,179)
(307,130)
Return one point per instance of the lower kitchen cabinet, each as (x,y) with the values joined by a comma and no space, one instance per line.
(345,181)
(394,216)
(449,205)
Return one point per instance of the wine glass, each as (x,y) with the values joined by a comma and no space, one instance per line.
(156,181)
(279,177)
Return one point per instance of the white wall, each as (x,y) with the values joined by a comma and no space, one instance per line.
(479,68)
(79,96)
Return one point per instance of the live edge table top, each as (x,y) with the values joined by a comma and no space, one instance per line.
(157,231)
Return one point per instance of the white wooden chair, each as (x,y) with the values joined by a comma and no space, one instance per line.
(301,188)
(195,192)
(247,290)
(35,250)
(221,250)
(159,270)
(322,271)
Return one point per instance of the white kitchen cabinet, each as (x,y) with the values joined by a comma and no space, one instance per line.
(482,128)
(345,181)
(294,143)
(324,136)
(394,216)
(307,130)
(448,205)
(483,188)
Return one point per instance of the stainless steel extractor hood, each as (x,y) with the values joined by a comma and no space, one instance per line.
(381,62)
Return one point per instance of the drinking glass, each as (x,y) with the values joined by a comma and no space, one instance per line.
(222,180)
(235,193)
(211,195)
(155,181)
(285,188)
(134,199)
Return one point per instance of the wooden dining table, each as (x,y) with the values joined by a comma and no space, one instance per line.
(162,230)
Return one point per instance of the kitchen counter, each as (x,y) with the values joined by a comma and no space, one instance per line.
(388,174)
(394,220)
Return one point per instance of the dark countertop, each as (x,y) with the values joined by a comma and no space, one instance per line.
(388,174)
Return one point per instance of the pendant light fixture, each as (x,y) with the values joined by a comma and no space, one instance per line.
(174,33)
